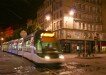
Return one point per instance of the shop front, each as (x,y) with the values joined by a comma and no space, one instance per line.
(75,46)
(103,46)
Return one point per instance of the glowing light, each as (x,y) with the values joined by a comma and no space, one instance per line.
(47,57)
(61,56)
(68,18)
(71,13)
(48,17)
(2,39)
(47,34)
(21,39)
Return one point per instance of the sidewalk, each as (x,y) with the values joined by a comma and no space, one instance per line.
(85,66)
(69,56)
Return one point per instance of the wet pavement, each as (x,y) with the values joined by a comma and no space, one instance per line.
(15,65)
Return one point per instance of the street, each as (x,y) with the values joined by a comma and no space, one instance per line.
(53,37)
(15,65)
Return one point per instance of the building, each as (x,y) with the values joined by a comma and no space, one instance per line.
(104,15)
(76,23)
(104,24)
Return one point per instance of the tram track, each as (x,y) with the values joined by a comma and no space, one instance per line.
(65,69)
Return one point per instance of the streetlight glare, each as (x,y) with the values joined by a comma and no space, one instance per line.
(48,17)
(71,13)
(2,39)
(66,18)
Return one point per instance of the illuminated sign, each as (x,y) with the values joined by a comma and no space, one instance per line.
(48,39)
(47,34)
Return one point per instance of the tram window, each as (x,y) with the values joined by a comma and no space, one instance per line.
(20,46)
(38,46)
(27,45)
(50,47)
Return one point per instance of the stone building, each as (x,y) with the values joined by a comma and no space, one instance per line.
(104,25)
(77,24)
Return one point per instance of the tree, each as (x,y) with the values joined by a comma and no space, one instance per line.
(29,30)
(16,35)
(33,28)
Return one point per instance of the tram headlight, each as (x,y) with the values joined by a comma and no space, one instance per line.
(61,56)
(47,57)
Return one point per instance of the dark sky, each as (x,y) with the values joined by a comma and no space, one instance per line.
(17,11)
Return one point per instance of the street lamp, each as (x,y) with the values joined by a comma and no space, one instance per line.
(47,17)
(2,38)
(71,13)
(48,22)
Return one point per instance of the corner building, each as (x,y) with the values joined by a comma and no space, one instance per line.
(76,23)
(104,25)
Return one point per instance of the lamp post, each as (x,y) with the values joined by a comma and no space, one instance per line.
(47,18)
(2,39)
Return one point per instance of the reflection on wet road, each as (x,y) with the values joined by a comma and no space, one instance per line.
(15,65)
(74,68)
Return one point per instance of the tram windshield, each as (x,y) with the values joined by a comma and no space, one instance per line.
(47,43)
(50,47)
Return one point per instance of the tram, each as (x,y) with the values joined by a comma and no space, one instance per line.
(40,47)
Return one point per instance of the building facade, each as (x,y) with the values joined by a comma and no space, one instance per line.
(104,24)
(76,23)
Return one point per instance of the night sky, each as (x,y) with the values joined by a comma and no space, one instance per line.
(17,11)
